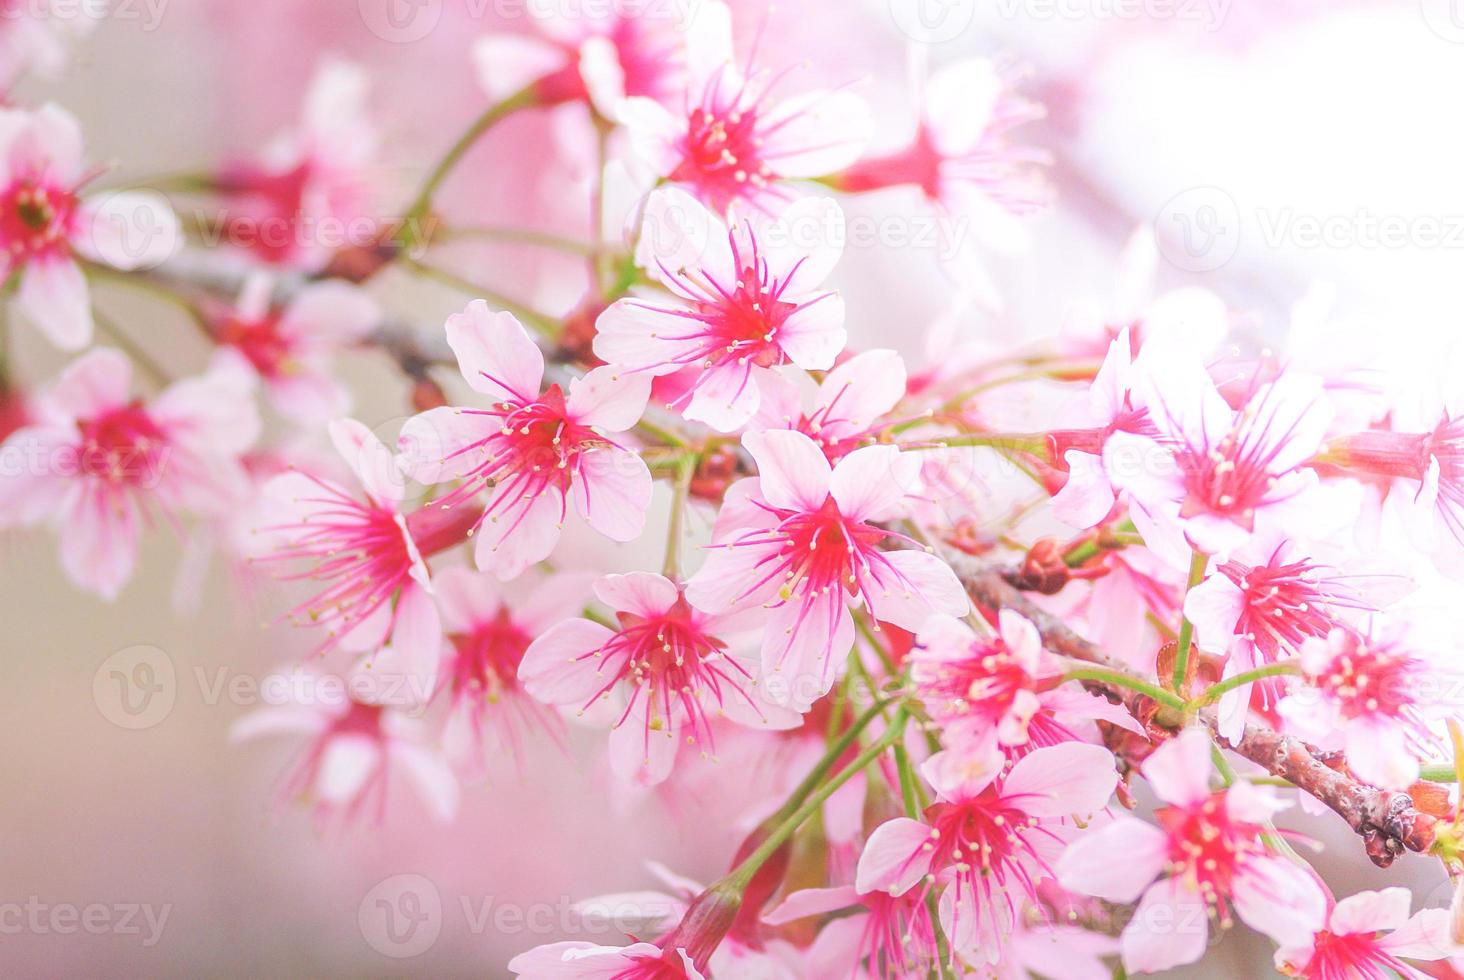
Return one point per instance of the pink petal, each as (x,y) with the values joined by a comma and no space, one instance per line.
(1378,752)
(50,145)
(613,493)
(725,578)
(214,413)
(814,335)
(1426,936)
(959,101)
(98,537)
(811,901)
(874,482)
(1179,770)
(516,536)
(816,133)
(288,719)
(1087,496)
(1169,929)
(308,397)
(1021,639)
(506,63)
(128,230)
(368,458)
(726,396)
(54,297)
(919,586)
(1214,606)
(558,667)
(333,312)
(862,389)
(1369,912)
(495,353)
(792,471)
(404,673)
(608,399)
(94,383)
(1278,898)
(895,857)
(32,484)
(802,658)
(804,244)
(679,234)
(1072,778)
(433,447)
(633,334)
(643,756)
(1088,866)
(465,598)
(644,594)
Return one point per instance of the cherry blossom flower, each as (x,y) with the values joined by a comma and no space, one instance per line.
(747,300)
(1370,934)
(488,631)
(1213,471)
(980,689)
(533,452)
(730,142)
(803,542)
(356,744)
(368,553)
(290,349)
(46,224)
(36,35)
(848,409)
(1210,846)
(1368,691)
(961,158)
(299,201)
(101,465)
(601,53)
(668,664)
(987,841)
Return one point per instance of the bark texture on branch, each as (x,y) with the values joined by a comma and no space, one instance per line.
(1388,822)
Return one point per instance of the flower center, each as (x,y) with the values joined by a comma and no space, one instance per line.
(34,219)
(720,153)
(260,341)
(1206,845)
(123,446)
(1354,954)
(1369,682)
(1284,603)
(488,659)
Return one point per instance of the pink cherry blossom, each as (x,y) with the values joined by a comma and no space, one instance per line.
(1210,846)
(304,196)
(848,407)
(1370,934)
(533,452)
(488,630)
(988,840)
(1367,690)
(668,666)
(961,157)
(804,543)
(46,224)
(368,553)
(601,53)
(894,933)
(730,142)
(746,300)
(101,465)
(357,745)
(978,688)
(290,348)
(36,35)
(579,960)
(1214,471)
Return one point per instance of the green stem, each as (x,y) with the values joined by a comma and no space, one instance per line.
(821,769)
(1198,561)
(1118,679)
(1439,774)
(521,236)
(1215,692)
(1022,442)
(522,99)
(671,568)
(539,322)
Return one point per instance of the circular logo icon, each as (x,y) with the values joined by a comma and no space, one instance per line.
(1198,230)
(134,230)
(933,21)
(401,916)
(1445,18)
(401,21)
(135,688)
(1442,903)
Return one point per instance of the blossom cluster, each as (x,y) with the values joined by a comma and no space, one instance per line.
(977,606)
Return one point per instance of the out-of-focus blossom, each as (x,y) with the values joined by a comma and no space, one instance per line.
(579,960)
(961,157)
(357,745)
(101,464)
(802,541)
(1210,846)
(988,839)
(731,142)
(46,224)
(309,191)
(894,933)
(290,348)
(601,53)
(669,666)
(748,298)
(36,35)
(533,452)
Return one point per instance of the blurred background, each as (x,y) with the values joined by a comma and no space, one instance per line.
(1269,145)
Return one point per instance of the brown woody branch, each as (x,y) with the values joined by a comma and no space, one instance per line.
(1389,822)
